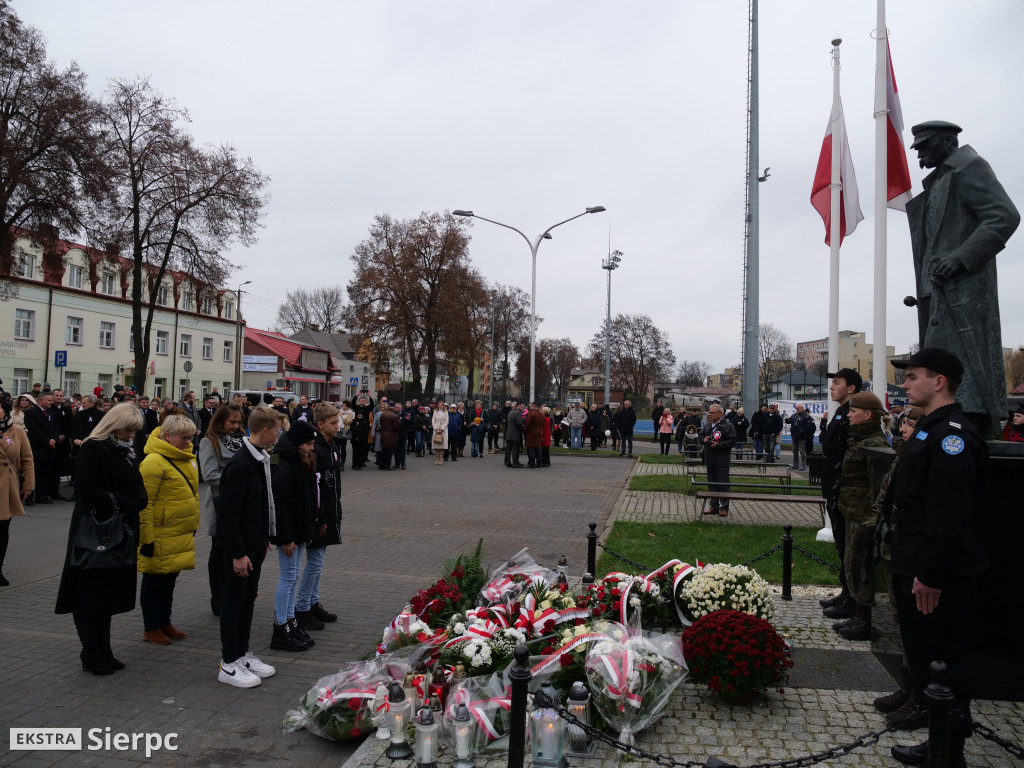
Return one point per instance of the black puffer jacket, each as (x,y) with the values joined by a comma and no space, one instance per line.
(328,463)
(294,495)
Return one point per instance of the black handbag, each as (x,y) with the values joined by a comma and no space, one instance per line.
(100,544)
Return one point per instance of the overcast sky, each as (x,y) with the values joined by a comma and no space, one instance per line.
(528,112)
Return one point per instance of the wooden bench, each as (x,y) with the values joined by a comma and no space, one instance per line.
(705,496)
(784,472)
(705,484)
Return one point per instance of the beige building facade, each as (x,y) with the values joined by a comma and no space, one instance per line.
(854,352)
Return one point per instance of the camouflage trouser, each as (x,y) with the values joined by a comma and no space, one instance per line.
(854,560)
(886,551)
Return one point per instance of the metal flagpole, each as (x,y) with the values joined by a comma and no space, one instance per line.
(834,234)
(878,359)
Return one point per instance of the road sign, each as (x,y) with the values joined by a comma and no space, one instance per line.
(60,358)
(353,381)
(270,384)
(188,366)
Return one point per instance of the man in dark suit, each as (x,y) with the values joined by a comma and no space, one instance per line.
(206,413)
(43,434)
(65,417)
(718,437)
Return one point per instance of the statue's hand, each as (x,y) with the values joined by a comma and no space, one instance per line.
(943,270)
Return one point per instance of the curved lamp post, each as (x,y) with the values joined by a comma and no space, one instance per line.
(534,246)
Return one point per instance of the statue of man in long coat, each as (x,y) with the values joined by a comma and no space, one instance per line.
(957,226)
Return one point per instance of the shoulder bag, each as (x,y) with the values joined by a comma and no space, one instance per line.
(103,544)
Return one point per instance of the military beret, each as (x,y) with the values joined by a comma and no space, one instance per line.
(867,401)
(924,131)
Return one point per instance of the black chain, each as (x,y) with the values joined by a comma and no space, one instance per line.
(866,740)
(769,553)
(624,559)
(815,558)
(1014,749)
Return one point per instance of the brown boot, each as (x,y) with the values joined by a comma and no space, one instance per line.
(172,633)
(157,637)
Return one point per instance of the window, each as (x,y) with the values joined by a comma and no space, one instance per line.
(206,388)
(159,385)
(229,310)
(72,385)
(75,275)
(185,345)
(161,296)
(73,331)
(207,348)
(207,308)
(106,335)
(229,351)
(24,319)
(161,342)
(27,265)
(182,388)
(107,283)
(21,377)
(227,388)
(131,342)
(106,380)
(186,301)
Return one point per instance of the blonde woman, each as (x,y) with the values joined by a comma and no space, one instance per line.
(439,426)
(107,480)
(168,523)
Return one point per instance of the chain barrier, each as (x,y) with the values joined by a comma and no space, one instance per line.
(1014,749)
(625,559)
(769,553)
(866,740)
(815,558)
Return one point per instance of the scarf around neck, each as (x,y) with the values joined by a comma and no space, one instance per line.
(264,458)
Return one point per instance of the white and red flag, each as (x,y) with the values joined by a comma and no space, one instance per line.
(897,170)
(821,198)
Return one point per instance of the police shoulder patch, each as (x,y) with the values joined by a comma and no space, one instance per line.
(953,444)
(921,435)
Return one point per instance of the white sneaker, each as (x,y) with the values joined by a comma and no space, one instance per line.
(238,675)
(259,668)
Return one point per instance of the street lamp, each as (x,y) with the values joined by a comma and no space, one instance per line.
(612,262)
(534,245)
(238,336)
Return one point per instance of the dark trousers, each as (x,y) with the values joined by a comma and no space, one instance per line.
(156,596)
(44,479)
(342,450)
(941,635)
(421,439)
(93,629)
(838,523)
(400,451)
(556,437)
(452,450)
(666,442)
(236,613)
(215,569)
(545,456)
(533,457)
(492,439)
(718,482)
(5,538)
(384,456)
(360,451)
(511,452)
(627,444)
(595,437)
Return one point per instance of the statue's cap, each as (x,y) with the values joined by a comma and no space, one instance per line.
(934,359)
(924,131)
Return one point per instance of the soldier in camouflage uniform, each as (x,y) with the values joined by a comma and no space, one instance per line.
(857,508)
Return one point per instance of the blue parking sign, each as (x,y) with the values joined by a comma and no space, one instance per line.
(60,358)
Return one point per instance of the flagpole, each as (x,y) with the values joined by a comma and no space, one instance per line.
(878,358)
(835,219)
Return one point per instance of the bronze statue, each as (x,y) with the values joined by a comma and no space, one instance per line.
(957,226)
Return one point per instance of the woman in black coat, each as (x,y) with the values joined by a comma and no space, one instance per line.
(742,424)
(106,466)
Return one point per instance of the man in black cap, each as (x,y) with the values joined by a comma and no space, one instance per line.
(935,555)
(845,383)
(957,226)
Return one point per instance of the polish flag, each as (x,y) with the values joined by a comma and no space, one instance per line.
(897,172)
(849,201)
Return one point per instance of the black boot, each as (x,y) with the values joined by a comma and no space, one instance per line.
(103,632)
(842,610)
(306,620)
(301,634)
(909,717)
(911,754)
(93,661)
(284,640)
(828,602)
(860,629)
(893,701)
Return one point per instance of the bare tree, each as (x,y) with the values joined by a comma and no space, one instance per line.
(511,308)
(414,279)
(775,355)
(323,306)
(1015,367)
(542,372)
(51,140)
(561,356)
(693,373)
(173,204)
(640,352)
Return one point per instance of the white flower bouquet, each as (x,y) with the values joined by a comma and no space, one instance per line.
(729,587)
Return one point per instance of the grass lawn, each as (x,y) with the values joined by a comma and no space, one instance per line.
(654,544)
(560,451)
(682,484)
(660,458)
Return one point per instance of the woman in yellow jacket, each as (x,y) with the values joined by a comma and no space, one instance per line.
(168,523)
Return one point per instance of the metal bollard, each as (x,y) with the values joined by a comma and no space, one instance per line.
(787,562)
(940,701)
(592,548)
(520,676)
